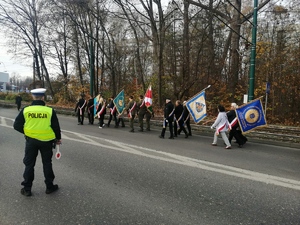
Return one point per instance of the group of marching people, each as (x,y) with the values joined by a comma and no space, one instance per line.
(176,117)
(179,116)
(133,108)
(228,121)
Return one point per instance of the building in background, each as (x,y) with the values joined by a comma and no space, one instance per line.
(4,79)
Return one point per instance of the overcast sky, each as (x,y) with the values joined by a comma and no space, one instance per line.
(17,67)
(11,65)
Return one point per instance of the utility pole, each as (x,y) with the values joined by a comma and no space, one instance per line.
(253,54)
(35,51)
(92,66)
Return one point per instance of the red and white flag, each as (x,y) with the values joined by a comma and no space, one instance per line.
(148,98)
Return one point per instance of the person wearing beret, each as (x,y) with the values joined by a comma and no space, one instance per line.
(41,129)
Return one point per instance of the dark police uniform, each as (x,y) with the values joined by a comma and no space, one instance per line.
(40,126)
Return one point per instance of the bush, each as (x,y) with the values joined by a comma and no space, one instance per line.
(2,95)
(27,97)
(10,97)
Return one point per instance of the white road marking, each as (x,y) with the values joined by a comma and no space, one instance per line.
(196,163)
(177,159)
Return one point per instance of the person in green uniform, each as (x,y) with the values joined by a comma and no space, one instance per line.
(143,112)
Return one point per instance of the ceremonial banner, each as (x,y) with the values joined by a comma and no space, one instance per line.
(119,102)
(251,116)
(148,99)
(197,107)
(97,100)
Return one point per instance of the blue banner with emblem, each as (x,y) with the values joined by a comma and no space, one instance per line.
(251,116)
(97,100)
(119,102)
(197,107)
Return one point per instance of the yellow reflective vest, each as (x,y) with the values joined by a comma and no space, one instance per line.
(38,122)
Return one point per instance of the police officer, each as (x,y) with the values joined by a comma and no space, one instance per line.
(168,119)
(41,128)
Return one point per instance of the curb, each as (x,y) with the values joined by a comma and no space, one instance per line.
(255,136)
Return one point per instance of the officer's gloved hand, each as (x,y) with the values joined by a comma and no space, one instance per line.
(211,127)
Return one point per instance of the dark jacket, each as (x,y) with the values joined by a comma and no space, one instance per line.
(90,106)
(111,104)
(79,104)
(178,112)
(100,107)
(186,112)
(231,115)
(168,112)
(18,100)
(20,120)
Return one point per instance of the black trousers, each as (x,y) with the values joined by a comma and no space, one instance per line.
(101,120)
(91,117)
(188,126)
(80,117)
(32,148)
(181,127)
(18,106)
(166,122)
(111,116)
(237,134)
(121,120)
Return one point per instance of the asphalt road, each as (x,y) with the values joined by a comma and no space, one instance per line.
(112,176)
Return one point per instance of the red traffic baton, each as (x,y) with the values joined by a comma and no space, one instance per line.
(57,154)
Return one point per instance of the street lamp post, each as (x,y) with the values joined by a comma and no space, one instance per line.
(253,54)
(92,67)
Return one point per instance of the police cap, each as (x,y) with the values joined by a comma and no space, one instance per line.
(38,91)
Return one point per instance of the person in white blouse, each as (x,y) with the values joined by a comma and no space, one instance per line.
(221,125)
